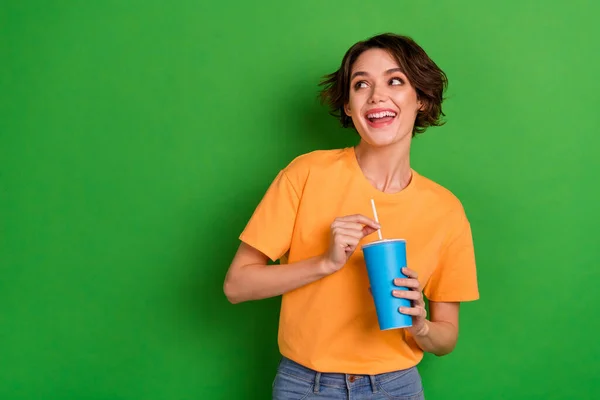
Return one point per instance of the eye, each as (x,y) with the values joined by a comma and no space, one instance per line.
(360,85)
(396,81)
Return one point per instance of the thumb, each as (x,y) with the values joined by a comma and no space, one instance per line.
(367,230)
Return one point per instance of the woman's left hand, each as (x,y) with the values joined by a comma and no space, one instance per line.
(415,294)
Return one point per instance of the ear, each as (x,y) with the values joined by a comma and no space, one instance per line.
(347,109)
(421,105)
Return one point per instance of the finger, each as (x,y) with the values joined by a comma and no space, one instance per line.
(367,230)
(349,250)
(345,241)
(410,273)
(407,294)
(348,232)
(409,283)
(414,311)
(360,219)
(348,225)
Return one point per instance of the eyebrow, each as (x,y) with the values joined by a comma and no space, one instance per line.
(362,73)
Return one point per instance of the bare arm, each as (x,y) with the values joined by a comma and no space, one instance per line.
(250,278)
(440,334)
(437,335)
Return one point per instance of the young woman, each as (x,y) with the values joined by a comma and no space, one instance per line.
(316,215)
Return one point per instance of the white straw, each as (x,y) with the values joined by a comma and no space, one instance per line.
(376,218)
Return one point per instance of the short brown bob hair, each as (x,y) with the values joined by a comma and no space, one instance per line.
(429,81)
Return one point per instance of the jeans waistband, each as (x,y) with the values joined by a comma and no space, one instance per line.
(301,372)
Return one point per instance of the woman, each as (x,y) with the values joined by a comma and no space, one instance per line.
(317,213)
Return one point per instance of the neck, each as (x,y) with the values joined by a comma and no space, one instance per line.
(387,168)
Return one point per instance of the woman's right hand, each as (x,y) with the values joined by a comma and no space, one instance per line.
(346,233)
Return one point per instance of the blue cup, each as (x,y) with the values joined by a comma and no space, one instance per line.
(385,260)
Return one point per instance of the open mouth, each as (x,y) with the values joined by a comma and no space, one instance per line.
(378,118)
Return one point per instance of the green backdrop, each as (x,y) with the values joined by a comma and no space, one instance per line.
(137,137)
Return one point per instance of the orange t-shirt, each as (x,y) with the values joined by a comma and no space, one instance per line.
(330,325)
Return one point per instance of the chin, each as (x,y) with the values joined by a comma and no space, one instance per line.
(378,142)
(382,138)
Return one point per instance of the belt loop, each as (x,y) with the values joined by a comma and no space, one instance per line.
(317,382)
(373,385)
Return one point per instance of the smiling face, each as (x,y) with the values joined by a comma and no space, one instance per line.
(383,104)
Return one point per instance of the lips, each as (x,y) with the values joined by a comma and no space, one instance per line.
(380,117)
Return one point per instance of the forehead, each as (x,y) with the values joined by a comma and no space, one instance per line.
(374,60)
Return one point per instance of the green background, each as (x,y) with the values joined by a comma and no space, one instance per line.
(137,137)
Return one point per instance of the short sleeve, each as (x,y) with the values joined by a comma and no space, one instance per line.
(270,228)
(455,278)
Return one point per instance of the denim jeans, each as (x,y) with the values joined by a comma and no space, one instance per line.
(295,382)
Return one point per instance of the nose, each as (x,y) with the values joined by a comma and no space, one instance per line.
(377,94)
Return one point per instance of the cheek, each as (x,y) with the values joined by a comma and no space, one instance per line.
(353,107)
(408,102)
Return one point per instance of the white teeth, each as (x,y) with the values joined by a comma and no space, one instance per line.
(381,114)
